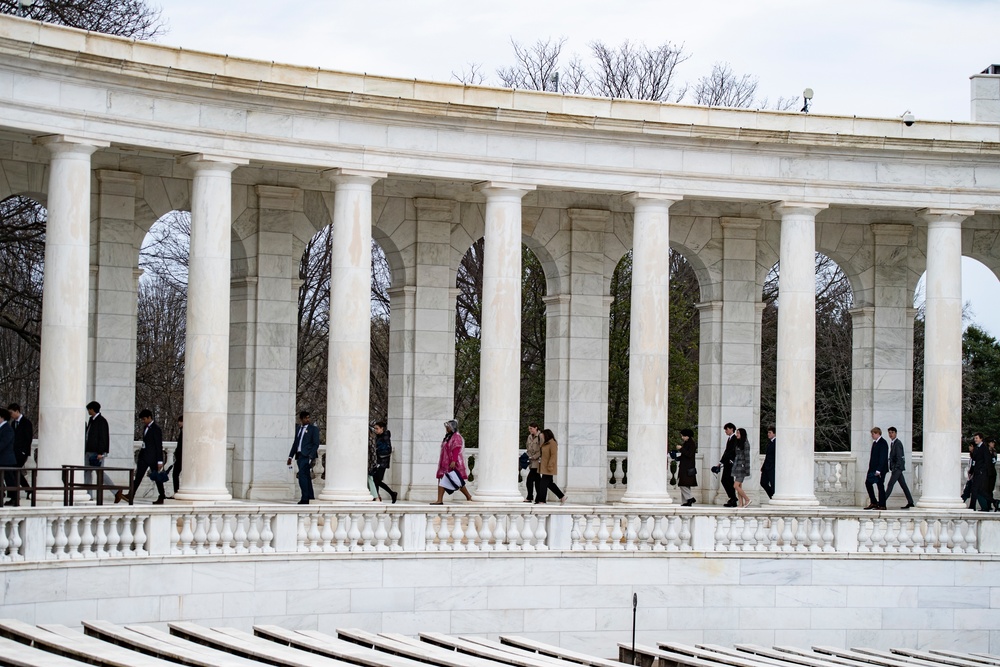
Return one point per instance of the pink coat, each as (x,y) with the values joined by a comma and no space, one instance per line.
(451,453)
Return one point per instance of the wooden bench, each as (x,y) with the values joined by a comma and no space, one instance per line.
(76,645)
(541,648)
(333,648)
(18,654)
(972,657)
(490,653)
(409,648)
(934,658)
(246,645)
(162,645)
(728,657)
(811,660)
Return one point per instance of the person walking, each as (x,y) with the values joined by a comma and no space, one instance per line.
(96,445)
(982,461)
(878,465)
(452,458)
(533,447)
(767,470)
(7,457)
(23,436)
(897,463)
(548,467)
(741,466)
(150,459)
(687,467)
(383,456)
(178,455)
(305,449)
(726,464)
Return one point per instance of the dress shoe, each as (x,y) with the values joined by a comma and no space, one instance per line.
(394,496)
(119,496)
(872,506)
(159,501)
(306,502)
(731,503)
(906,506)
(881,507)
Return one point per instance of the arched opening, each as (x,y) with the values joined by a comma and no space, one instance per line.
(834,336)
(468,328)
(22,259)
(980,352)
(684,335)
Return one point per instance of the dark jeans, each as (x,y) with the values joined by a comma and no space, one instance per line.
(305,479)
(767,483)
(984,502)
(378,474)
(176,475)
(543,489)
(532,482)
(872,481)
(728,483)
(897,476)
(140,472)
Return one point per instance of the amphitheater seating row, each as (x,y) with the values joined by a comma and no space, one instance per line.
(107,644)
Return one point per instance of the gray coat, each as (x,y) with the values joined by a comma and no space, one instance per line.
(897,458)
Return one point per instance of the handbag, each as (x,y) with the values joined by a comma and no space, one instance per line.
(451,482)
(523,461)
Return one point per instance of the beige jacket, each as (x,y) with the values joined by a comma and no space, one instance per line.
(550,453)
(533,445)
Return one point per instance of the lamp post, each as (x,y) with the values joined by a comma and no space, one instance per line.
(807,95)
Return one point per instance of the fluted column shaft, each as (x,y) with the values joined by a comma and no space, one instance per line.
(348,383)
(500,357)
(795,404)
(206,358)
(63,358)
(943,360)
(649,351)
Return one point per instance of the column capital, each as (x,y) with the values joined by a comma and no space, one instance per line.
(713,308)
(945,214)
(862,315)
(646,198)
(503,188)
(344,176)
(404,291)
(207,161)
(784,208)
(890,233)
(556,304)
(277,198)
(67,143)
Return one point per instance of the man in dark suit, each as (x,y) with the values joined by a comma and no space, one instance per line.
(178,454)
(878,466)
(23,435)
(767,470)
(728,459)
(305,449)
(97,444)
(897,463)
(150,457)
(982,461)
(7,456)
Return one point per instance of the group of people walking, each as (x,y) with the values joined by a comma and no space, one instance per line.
(543,455)
(982,476)
(887,459)
(15,448)
(733,466)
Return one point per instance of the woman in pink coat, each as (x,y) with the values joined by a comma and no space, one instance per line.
(452,458)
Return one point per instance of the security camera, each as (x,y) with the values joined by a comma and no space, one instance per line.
(908,118)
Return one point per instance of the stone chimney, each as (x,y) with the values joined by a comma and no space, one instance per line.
(986,95)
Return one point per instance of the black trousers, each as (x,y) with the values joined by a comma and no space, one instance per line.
(871,482)
(141,467)
(897,476)
(546,484)
(378,474)
(767,483)
(176,474)
(728,483)
(533,483)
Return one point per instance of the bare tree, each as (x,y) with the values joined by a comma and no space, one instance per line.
(725,88)
(637,71)
(126,18)
(473,76)
(537,66)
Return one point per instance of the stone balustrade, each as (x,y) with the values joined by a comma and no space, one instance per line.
(81,533)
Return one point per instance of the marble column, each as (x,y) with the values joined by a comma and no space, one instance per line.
(795,407)
(348,381)
(63,358)
(710,380)
(422,350)
(500,357)
(206,359)
(943,360)
(649,351)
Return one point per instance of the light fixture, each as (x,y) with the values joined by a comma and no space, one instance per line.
(908,118)
(807,95)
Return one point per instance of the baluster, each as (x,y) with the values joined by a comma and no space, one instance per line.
(431,536)
(971,543)
(958,536)
(671,537)
(101,536)
(201,534)
(381,533)
(73,540)
(722,533)
(575,534)
(353,533)
(313,534)
(50,536)
(61,539)
(933,539)
(368,532)
(471,534)
(301,534)
(917,537)
(213,535)
(631,533)
(603,534)
(486,533)
(645,533)
(528,532)
(828,536)
(86,537)
(865,536)
(140,536)
(774,534)
(878,536)
(500,533)
(343,528)
(266,533)
(614,466)
(240,534)
(685,534)
(590,533)
(787,538)
(394,534)
(513,534)
(761,543)
(127,542)
(617,534)
(255,535)
(904,541)
(658,535)
(815,536)
(458,534)
(226,534)
(326,533)
(749,530)
(892,536)
(5,525)
(541,533)
(801,535)
(736,534)
(838,471)
(186,536)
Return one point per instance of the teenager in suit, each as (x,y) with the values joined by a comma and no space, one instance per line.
(878,466)
(897,463)
(178,454)
(23,436)
(687,470)
(7,457)
(767,470)
(150,457)
(305,449)
(982,461)
(97,444)
(727,461)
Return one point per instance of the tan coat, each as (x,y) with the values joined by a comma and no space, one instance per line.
(550,453)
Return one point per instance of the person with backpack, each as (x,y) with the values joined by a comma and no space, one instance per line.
(383,456)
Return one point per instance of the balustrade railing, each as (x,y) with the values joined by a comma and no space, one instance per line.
(81,533)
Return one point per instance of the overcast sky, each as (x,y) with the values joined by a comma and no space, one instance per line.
(865,58)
